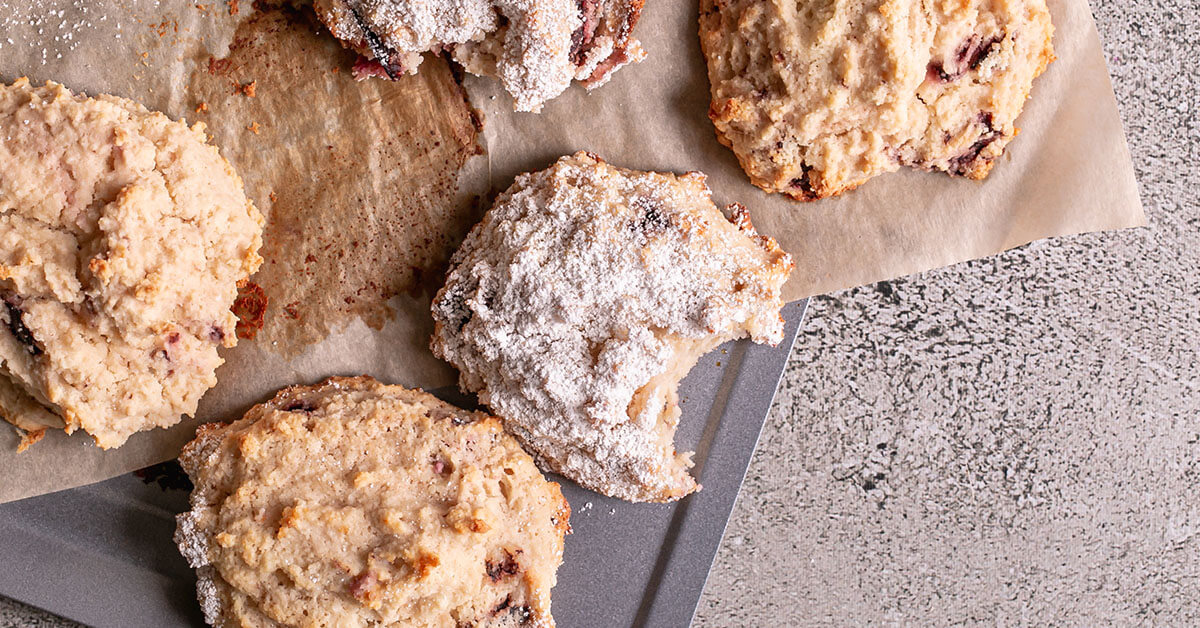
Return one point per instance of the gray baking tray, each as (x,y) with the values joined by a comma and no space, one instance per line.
(103,555)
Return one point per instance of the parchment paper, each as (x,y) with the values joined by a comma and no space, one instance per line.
(1068,172)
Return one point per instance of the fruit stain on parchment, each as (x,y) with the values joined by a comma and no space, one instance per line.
(357,180)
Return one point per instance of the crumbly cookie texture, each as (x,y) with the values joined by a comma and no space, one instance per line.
(815,97)
(584,296)
(535,47)
(123,237)
(352,503)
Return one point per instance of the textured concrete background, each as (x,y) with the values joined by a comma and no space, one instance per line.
(1013,441)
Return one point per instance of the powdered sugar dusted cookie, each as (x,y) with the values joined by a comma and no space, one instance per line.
(535,47)
(815,97)
(352,503)
(123,237)
(584,296)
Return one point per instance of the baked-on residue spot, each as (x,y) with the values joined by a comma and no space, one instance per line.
(817,97)
(361,206)
(249,307)
(324,506)
(535,47)
(584,296)
(123,238)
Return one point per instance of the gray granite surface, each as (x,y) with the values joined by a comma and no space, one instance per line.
(1012,441)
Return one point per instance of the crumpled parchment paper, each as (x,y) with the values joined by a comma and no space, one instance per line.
(368,186)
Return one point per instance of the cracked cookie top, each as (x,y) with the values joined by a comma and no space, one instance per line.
(535,47)
(352,503)
(584,296)
(123,237)
(817,97)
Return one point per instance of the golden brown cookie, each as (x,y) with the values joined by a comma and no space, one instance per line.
(817,96)
(352,503)
(123,238)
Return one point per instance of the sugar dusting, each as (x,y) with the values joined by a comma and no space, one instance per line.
(57,31)
(207,594)
(192,542)
(532,46)
(582,284)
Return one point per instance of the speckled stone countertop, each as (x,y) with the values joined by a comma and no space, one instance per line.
(1012,441)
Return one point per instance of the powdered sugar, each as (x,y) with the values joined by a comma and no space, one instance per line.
(535,47)
(192,541)
(207,594)
(420,26)
(57,31)
(581,299)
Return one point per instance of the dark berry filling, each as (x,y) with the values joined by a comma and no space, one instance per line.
(16,326)
(651,219)
(802,186)
(452,308)
(508,566)
(583,35)
(523,614)
(963,163)
(969,55)
(299,405)
(379,50)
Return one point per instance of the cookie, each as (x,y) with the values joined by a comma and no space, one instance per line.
(535,47)
(352,503)
(818,96)
(123,237)
(584,296)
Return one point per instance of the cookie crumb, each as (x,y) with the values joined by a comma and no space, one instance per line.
(30,438)
(250,308)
